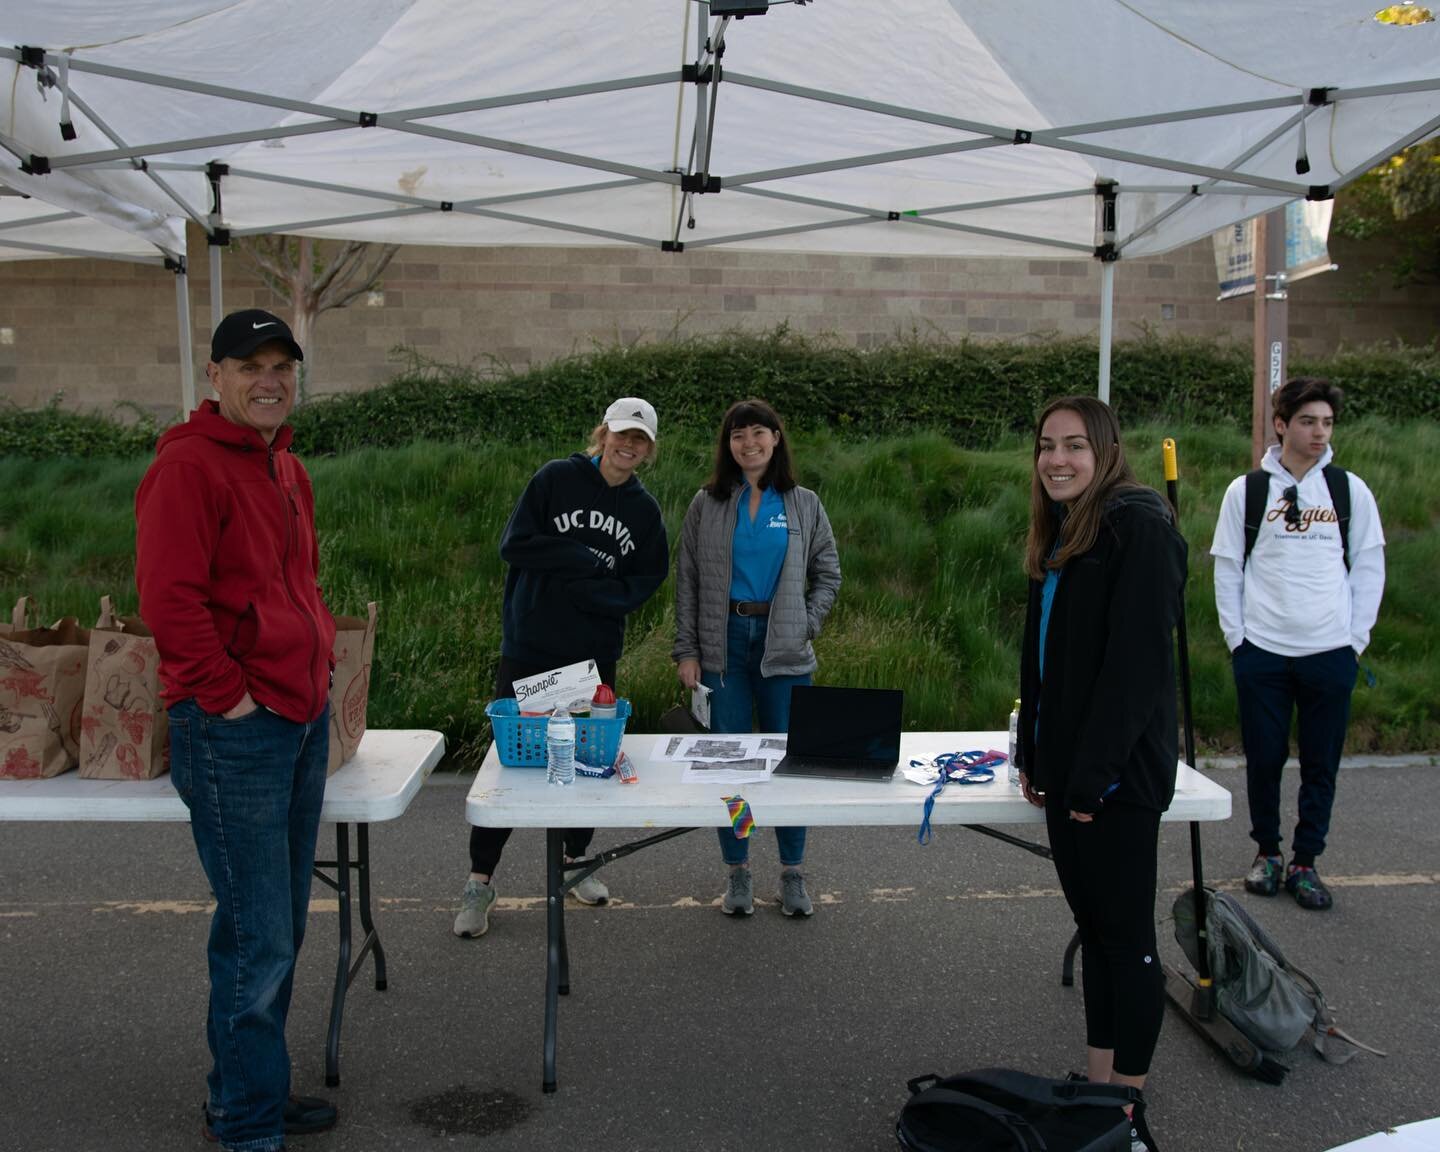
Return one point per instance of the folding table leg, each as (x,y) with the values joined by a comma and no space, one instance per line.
(372,937)
(342,963)
(554,944)
(1067,966)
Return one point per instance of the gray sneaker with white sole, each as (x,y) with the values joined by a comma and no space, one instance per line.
(794,900)
(473,918)
(739,894)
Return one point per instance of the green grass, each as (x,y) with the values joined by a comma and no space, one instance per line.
(929,534)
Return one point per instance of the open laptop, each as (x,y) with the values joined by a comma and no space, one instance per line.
(843,733)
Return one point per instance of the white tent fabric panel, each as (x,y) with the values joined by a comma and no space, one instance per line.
(31,229)
(937,127)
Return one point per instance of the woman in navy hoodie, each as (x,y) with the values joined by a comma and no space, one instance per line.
(1097,740)
(586,546)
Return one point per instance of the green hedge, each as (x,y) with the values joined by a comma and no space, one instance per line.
(973,392)
(53,431)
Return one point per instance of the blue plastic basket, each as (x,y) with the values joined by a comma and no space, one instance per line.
(520,740)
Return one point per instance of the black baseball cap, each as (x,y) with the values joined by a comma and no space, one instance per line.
(240,333)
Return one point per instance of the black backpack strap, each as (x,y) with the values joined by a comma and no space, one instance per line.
(1257,492)
(1339,484)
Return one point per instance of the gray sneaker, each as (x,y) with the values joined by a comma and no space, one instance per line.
(590,890)
(794,900)
(739,893)
(475,904)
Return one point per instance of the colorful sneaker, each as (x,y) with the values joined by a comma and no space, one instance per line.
(590,890)
(1307,888)
(1263,879)
(475,904)
(794,900)
(739,894)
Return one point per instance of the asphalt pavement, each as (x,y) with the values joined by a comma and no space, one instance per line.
(686,1029)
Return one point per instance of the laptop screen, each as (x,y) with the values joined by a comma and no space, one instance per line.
(862,723)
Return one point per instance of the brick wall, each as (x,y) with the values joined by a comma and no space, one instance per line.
(101,332)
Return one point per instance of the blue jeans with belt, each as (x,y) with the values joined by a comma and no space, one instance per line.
(254,786)
(735,698)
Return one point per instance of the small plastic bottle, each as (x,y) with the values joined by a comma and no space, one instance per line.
(560,749)
(603,706)
(1013,770)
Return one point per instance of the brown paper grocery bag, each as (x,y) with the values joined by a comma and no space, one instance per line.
(17,622)
(42,689)
(124,730)
(350,692)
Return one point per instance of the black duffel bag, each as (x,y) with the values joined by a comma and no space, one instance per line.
(999,1110)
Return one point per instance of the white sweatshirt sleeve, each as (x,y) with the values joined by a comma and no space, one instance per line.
(1367,585)
(1230,600)
(1228,550)
(1367,563)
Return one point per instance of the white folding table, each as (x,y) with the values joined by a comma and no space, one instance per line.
(504,797)
(376,785)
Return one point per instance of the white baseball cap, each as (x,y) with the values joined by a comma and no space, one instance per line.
(632,412)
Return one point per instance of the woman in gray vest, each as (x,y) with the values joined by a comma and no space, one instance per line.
(757,575)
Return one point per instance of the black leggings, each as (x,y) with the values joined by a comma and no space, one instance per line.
(487,844)
(1107,870)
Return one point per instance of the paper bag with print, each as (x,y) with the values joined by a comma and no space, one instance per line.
(350,692)
(124,731)
(42,689)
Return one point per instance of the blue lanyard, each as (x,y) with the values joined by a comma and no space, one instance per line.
(962,767)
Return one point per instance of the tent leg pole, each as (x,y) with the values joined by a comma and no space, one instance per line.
(217,297)
(187,360)
(1107,324)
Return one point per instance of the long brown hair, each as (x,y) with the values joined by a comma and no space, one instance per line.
(726,476)
(1075,529)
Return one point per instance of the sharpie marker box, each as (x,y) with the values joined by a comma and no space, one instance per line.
(573,686)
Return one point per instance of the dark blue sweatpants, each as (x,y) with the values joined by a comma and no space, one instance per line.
(1316,690)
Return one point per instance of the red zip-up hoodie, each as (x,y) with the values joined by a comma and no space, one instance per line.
(226,561)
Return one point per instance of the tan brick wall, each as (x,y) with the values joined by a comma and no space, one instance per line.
(101,332)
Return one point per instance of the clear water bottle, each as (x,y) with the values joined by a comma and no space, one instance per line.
(560,748)
(1014,769)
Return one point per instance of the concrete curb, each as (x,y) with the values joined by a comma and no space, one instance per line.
(1410,760)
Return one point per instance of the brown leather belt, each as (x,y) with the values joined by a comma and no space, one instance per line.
(750,607)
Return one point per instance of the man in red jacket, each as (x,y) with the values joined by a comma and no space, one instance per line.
(226,561)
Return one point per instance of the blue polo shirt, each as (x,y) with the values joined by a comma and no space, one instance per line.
(758,550)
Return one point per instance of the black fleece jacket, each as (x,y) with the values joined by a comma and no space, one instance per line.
(582,556)
(1107,707)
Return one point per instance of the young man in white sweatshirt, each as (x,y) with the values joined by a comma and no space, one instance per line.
(1296,607)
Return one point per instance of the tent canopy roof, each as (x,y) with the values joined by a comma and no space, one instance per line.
(934,127)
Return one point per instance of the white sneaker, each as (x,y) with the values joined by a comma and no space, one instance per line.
(590,890)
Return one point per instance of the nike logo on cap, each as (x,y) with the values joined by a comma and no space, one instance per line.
(267,324)
(638,413)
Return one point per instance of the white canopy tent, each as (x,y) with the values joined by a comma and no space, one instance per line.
(1098,129)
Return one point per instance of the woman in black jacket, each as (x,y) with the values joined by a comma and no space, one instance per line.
(585,546)
(1097,741)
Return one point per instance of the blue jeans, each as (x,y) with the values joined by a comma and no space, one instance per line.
(1317,690)
(254,788)
(735,698)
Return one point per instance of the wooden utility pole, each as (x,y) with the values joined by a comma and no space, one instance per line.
(1272,317)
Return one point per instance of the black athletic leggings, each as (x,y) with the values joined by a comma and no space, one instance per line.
(1107,870)
(487,844)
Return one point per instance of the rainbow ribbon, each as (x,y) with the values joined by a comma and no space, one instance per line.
(741,818)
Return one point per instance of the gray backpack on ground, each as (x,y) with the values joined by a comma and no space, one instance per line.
(1257,989)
